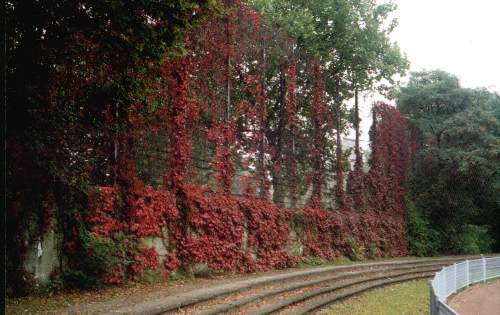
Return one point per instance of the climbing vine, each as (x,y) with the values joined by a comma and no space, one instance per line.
(190,161)
(319,119)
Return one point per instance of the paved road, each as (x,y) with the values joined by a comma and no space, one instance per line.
(481,299)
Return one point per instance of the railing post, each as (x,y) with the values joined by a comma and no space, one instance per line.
(439,285)
(443,281)
(432,300)
(484,269)
(454,277)
(467,271)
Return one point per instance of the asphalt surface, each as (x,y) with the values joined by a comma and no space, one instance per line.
(480,299)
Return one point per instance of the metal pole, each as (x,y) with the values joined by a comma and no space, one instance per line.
(432,300)
(484,269)
(454,277)
(467,271)
(443,281)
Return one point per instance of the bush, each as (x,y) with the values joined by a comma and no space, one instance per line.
(357,251)
(25,285)
(54,285)
(315,261)
(151,276)
(423,240)
(372,251)
(472,239)
(100,255)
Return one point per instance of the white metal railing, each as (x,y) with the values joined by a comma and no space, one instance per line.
(457,276)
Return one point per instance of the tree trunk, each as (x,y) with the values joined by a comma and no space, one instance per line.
(291,116)
(228,71)
(357,150)
(355,181)
(339,193)
(115,145)
(262,97)
(373,135)
(278,143)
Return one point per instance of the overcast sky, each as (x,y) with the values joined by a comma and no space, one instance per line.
(458,36)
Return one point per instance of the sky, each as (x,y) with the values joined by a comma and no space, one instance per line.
(459,36)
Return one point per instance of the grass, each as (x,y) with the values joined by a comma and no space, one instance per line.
(409,298)
(312,261)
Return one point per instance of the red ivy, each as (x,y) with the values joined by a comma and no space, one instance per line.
(145,258)
(292,124)
(176,74)
(245,234)
(153,211)
(320,117)
(103,215)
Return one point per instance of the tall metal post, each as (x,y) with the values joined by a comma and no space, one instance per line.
(467,272)
(484,269)
(454,277)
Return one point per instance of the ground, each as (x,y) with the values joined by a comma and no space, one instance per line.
(409,298)
(480,299)
(113,297)
(84,302)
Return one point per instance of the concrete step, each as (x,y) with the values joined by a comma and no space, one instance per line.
(194,300)
(226,304)
(278,304)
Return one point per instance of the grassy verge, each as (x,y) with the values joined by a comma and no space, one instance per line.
(409,298)
(312,261)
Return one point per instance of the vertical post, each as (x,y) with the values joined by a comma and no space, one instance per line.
(467,273)
(454,277)
(442,290)
(484,269)
(432,299)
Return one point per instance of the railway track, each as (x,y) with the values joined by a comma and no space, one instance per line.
(296,292)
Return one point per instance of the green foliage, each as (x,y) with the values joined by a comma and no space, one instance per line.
(357,251)
(318,261)
(454,205)
(53,286)
(180,275)
(422,237)
(297,23)
(315,261)
(471,239)
(350,37)
(371,252)
(99,255)
(431,97)
(151,276)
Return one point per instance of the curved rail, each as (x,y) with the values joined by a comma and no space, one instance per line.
(458,276)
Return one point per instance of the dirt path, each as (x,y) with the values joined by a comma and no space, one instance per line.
(481,299)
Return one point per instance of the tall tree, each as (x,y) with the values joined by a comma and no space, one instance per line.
(431,97)
(351,39)
(452,205)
